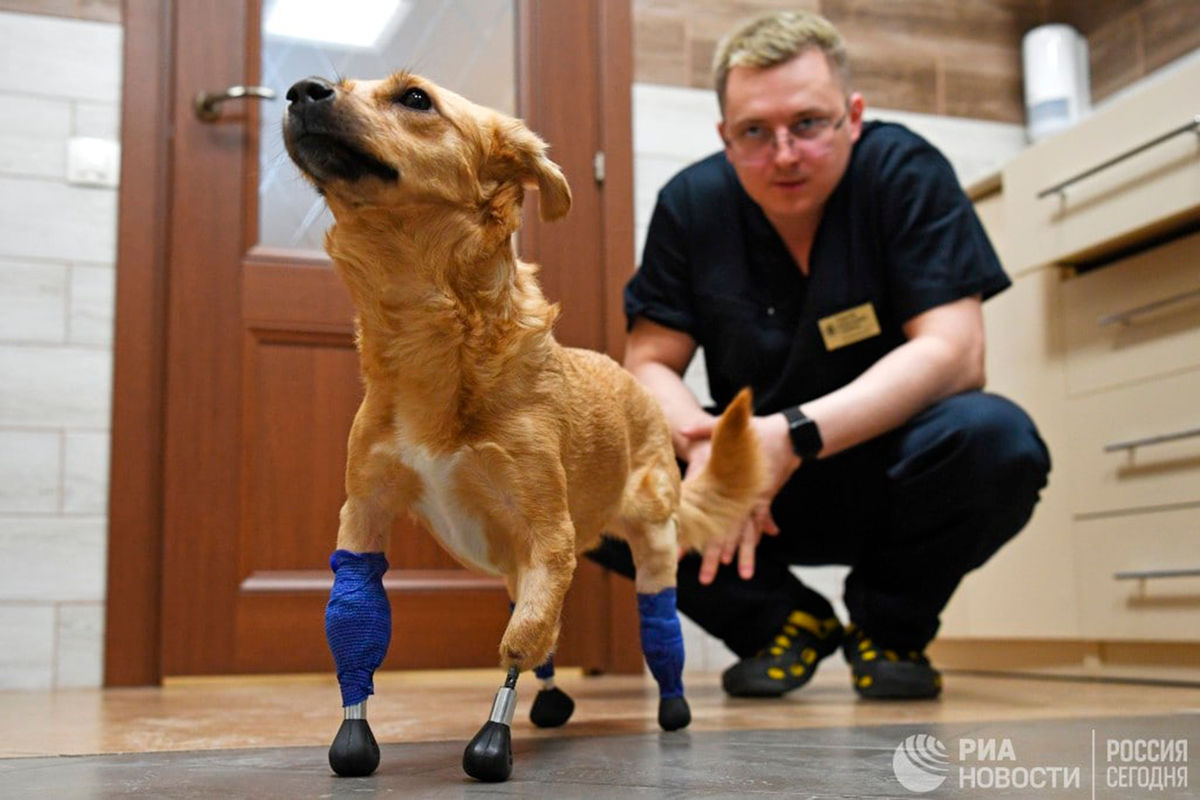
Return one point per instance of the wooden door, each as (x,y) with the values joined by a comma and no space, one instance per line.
(236,376)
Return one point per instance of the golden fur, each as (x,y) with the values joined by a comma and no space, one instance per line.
(517,453)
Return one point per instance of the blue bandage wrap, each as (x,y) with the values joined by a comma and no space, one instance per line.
(545,671)
(358,621)
(662,641)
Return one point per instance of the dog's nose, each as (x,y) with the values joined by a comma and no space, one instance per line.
(310,90)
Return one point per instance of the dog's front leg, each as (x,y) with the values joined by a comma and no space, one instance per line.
(541,587)
(537,590)
(358,627)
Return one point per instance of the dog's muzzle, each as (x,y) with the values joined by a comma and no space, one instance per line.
(321,140)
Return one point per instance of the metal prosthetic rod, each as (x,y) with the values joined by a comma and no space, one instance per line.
(488,756)
(354,752)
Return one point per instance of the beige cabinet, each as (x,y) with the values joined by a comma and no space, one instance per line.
(1127,177)
(1139,575)
(1027,590)
(1134,319)
(1099,340)
(1129,448)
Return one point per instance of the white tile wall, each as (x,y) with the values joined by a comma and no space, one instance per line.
(64,58)
(51,220)
(55,386)
(79,635)
(58,78)
(90,309)
(85,473)
(31,134)
(54,559)
(33,302)
(27,634)
(29,472)
(674,127)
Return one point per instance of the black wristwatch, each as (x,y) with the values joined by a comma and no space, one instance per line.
(806,438)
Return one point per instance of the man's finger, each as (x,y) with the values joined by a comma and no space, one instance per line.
(731,546)
(728,548)
(702,430)
(764,520)
(709,562)
(746,555)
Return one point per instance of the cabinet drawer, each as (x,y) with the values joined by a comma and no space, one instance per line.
(1136,319)
(1149,475)
(1139,608)
(1157,187)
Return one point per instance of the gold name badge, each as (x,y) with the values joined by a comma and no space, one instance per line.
(849,326)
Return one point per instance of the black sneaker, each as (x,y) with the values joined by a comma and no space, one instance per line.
(887,674)
(788,662)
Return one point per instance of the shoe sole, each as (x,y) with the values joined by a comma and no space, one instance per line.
(773,691)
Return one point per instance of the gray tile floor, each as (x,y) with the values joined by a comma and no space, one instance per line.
(807,763)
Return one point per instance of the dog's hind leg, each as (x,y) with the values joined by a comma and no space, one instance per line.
(655,551)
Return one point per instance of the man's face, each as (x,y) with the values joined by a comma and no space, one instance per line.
(788,131)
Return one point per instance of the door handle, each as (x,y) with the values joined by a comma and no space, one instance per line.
(207,105)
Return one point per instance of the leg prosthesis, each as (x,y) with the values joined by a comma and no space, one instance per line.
(358,621)
(662,641)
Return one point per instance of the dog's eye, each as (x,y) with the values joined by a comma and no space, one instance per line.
(416,99)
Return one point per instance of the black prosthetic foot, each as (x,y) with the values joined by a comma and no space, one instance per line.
(551,708)
(673,713)
(354,752)
(488,757)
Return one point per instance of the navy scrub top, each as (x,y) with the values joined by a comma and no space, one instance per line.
(898,232)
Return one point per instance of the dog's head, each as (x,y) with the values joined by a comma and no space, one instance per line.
(404,140)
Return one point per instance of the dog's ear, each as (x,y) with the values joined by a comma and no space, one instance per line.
(519,153)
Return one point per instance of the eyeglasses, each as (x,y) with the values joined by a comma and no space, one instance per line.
(757,141)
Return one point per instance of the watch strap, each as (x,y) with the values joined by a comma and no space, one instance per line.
(803,431)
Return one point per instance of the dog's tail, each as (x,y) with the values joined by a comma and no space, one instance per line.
(713,502)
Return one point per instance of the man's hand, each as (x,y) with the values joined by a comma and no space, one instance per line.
(780,462)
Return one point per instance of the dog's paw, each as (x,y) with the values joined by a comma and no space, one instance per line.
(526,646)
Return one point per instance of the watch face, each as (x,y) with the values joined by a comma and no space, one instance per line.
(806,438)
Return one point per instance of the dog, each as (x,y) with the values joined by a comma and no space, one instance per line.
(515,452)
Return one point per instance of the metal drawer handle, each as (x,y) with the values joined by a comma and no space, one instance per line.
(1193,125)
(1147,574)
(207,104)
(1133,444)
(1126,317)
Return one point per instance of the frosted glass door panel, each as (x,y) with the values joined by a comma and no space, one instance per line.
(464,45)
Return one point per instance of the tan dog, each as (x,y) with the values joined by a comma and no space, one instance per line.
(515,452)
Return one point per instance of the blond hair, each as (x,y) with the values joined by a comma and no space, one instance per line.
(775,38)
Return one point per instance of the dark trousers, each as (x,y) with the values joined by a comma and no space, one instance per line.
(911,513)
